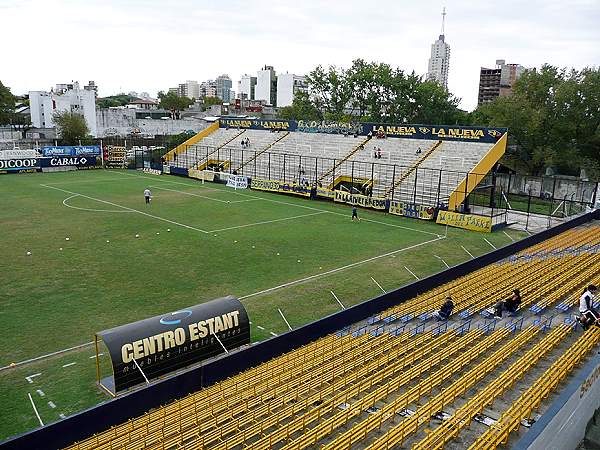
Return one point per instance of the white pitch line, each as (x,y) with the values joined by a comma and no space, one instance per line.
(340,214)
(284,319)
(378,285)
(51,405)
(37,358)
(493,246)
(35,410)
(292,204)
(338,269)
(260,328)
(468,252)
(337,299)
(445,263)
(190,193)
(30,377)
(127,208)
(266,221)
(99,354)
(273,334)
(508,236)
(89,209)
(411,272)
(69,364)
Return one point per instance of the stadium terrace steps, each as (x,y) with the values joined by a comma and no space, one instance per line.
(337,164)
(415,166)
(264,146)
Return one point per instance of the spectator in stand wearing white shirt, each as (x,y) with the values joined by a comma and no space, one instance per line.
(588,315)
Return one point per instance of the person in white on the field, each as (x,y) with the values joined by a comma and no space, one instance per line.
(147,195)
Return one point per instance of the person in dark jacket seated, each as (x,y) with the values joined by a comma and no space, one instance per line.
(511,305)
(445,310)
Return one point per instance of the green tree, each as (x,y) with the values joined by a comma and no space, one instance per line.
(209,101)
(377,92)
(113,101)
(553,117)
(71,127)
(8,115)
(173,103)
(7,105)
(301,109)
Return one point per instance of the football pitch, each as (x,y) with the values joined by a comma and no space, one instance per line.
(82,252)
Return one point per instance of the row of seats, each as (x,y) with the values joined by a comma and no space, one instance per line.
(326,157)
(351,389)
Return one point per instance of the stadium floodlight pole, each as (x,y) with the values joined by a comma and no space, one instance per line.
(284,319)
(337,299)
(219,340)
(378,285)
(141,371)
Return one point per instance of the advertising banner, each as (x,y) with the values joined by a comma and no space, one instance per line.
(259,124)
(435,132)
(162,344)
(411,210)
(78,161)
(237,182)
(19,164)
(325,193)
(415,131)
(32,164)
(466,221)
(278,186)
(360,200)
(201,175)
(71,150)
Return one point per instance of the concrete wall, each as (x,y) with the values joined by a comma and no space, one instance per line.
(122,122)
(562,426)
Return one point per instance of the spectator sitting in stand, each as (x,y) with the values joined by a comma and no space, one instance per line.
(445,310)
(511,305)
(589,315)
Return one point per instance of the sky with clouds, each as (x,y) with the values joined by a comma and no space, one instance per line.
(150,45)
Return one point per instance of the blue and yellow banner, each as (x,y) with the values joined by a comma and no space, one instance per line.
(360,200)
(416,131)
(325,193)
(412,210)
(435,132)
(466,221)
(279,186)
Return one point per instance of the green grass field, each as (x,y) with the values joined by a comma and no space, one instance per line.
(221,242)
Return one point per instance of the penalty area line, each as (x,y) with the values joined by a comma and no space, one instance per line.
(128,209)
(267,221)
(339,269)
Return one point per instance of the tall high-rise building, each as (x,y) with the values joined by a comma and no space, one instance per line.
(439,62)
(247,87)
(224,86)
(190,89)
(287,86)
(266,86)
(498,81)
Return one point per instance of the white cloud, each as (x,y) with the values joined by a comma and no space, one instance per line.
(147,45)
